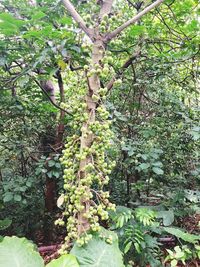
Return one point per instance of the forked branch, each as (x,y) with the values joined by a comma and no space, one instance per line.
(117,31)
(75,15)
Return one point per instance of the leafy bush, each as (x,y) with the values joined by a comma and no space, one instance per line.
(15,252)
(140,231)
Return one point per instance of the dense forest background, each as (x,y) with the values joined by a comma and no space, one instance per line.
(149,83)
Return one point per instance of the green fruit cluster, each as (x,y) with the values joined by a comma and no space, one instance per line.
(84,198)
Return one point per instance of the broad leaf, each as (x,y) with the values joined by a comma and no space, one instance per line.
(181,234)
(64,261)
(167,216)
(19,252)
(98,253)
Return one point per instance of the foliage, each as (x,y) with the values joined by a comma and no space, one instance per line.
(19,252)
(180,234)
(5,224)
(140,231)
(179,254)
(121,114)
(64,261)
(16,251)
(21,190)
(101,251)
(136,236)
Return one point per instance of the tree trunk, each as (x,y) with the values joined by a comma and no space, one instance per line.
(93,87)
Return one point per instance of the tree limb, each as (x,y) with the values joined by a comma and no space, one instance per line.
(75,15)
(110,84)
(114,33)
(54,104)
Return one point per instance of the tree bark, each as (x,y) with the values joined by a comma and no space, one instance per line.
(94,85)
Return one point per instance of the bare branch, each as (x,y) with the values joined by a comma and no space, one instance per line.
(75,15)
(110,84)
(113,34)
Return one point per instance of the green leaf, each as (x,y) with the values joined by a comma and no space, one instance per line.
(58,165)
(127,247)
(195,135)
(137,247)
(9,25)
(5,224)
(8,197)
(8,28)
(136,30)
(56,174)
(38,15)
(167,216)
(157,164)
(157,170)
(181,234)
(144,166)
(64,261)
(17,198)
(5,17)
(51,163)
(98,253)
(19,252)
(28,183)
(66,20)
(174,263)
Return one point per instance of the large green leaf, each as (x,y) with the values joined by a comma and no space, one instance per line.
(9,25)
(181,234)
(64,261)
(167,216)
(98,253)
(19,252)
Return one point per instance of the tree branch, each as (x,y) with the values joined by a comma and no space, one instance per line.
(53,103)
(75,15)
(110,84)
(113,34)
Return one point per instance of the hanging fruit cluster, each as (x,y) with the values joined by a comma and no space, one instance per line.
(86,167)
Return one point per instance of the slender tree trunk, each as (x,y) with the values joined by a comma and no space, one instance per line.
(56,144)
(93,87)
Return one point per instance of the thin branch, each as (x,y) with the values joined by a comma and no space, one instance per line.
(54,104)
(71,9)
(113,34)
(124,67)
(149,99)
(172,31)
